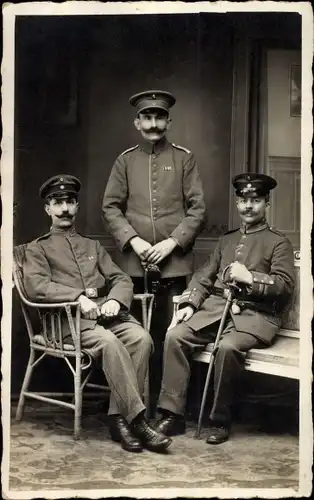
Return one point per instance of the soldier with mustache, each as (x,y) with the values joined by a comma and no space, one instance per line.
(153,207)
(64,266)
(260,259)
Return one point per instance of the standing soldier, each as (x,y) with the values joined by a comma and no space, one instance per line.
(260,259)
(154,208)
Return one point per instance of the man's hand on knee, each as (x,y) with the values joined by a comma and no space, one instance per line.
(110,308)
(184,314)
(89,309)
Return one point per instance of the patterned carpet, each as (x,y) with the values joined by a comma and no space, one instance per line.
(45,456)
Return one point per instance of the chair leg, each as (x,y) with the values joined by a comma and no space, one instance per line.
(26,382)
(78,399)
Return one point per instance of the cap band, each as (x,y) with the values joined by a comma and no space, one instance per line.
(57,190)
(152,104)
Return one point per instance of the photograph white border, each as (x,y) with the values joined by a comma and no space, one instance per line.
(10,11)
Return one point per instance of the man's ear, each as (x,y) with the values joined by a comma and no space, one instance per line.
(137,123)
(47,209)
(169,123)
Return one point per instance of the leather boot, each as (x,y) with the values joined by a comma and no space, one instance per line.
(121,433)
(150,439)
(171,424)
(218,433)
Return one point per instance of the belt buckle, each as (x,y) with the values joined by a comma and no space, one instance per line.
(91,293)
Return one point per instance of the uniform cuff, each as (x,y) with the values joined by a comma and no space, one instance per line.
(191,297)
(181,237)
(260,284)
(124,235)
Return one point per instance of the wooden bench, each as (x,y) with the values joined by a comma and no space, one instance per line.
(280,359)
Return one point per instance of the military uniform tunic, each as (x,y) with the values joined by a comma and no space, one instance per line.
(155,192)
(59,267)
(268,255)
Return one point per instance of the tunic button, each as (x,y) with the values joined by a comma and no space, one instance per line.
(154,199)
(125,230)
(153,156)
(271,282)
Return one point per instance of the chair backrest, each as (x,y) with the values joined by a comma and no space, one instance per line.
(52,320)
(18,260)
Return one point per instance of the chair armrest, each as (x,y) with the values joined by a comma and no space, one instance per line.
(49,305)
(175,301)
(142,296)
(147,300)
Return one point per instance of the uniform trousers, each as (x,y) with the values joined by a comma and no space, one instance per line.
(181,343)
(123,349)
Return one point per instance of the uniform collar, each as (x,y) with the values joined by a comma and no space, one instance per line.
(260,226)
(156,148)
(57,230)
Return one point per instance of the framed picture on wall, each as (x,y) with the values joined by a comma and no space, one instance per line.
(295,90)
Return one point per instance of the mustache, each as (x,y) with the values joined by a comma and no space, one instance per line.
(154,130)
(65,216)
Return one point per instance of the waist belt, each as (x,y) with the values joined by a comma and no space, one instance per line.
(94,293)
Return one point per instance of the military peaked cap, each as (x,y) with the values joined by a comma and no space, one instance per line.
(151,99)
(253,184)
(59,185)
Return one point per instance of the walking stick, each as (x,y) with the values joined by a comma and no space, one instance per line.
(229,297)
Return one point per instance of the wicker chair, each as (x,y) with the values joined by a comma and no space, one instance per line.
(49,342)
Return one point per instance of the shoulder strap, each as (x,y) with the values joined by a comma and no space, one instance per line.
(181,147)
(129,149)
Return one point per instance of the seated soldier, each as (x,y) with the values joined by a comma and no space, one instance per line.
(64,266)
(260,260)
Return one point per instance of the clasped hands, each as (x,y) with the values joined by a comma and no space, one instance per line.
(237,272)
(152,254)
(91,310)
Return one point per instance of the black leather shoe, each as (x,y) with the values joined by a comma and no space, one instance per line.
(218,433)
(150,439)
(121,433)
(171,425)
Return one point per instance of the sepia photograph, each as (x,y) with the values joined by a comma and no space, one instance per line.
(155,255)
